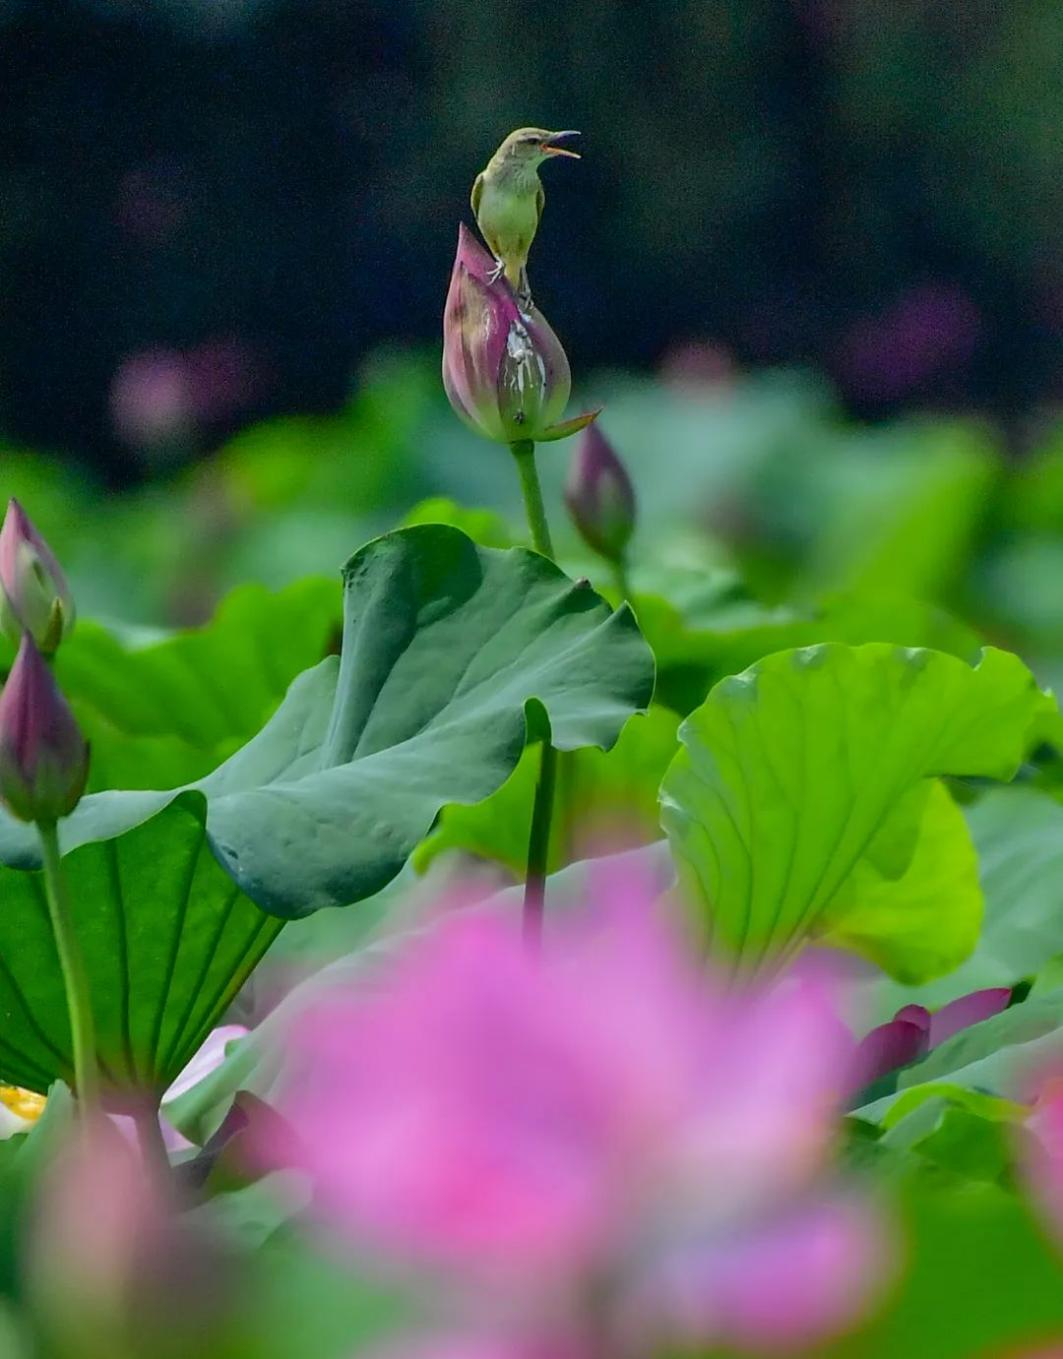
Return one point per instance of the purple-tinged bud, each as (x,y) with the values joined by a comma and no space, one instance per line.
(903,1039)
(34,595)
(504,369)
(967,1010)
(44,759)
(600,497)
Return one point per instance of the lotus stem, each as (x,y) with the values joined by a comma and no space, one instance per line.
(75,976)
(543,806)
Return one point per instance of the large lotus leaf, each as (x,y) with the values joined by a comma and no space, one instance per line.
(925,922)
(790,773)
(1018,835)
(168,940)
(697,645)
(449,652)
(170,710)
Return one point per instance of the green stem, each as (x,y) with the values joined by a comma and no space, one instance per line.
(543,807)
(145,1116)
(75,978)
(524,453)
(620,580)
(539,846)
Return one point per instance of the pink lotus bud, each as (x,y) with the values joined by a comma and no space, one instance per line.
(112,1264)
(44,759)
(34,595)
(504,369)
(599,496)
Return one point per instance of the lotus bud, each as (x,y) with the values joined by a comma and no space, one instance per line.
(112,1264)
(44,759)
(34,595)
(504,369)
(600,497)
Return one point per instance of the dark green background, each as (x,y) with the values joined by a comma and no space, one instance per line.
(269,189)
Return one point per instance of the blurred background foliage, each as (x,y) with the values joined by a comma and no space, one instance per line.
(214,210)
(776,513)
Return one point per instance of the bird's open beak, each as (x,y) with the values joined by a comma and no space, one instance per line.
(550,147)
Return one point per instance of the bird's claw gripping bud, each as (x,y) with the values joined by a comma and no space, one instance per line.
(600,497)
(44,759)
(504,369)
(34,595)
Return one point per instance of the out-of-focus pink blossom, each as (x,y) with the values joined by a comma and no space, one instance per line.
(484,1345)
(545,1128)
(699,367)
(151,399)
(746,1289)
(111,1264)
(165,396)
(930,329)
(1044,1151)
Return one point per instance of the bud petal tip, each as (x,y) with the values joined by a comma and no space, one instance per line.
(34,594)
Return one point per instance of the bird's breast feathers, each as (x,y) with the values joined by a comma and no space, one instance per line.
(507,215)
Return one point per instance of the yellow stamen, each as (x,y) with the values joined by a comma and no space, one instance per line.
(25,1104)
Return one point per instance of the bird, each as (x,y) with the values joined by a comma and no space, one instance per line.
(507,200)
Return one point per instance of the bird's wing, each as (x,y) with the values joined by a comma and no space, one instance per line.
(540,203)
(477,193)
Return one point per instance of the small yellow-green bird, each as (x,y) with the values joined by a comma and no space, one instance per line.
(508,198)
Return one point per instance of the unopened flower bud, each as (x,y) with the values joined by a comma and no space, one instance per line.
(600,497)
(504,369)
(34,595)
(44,759)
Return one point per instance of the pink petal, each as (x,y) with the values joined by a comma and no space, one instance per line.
(967,1010)
(802,1279)
(890,1046)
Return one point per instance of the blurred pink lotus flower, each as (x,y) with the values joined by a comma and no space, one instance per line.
(44,759)
(930,329)
(166,396)
(602,1121)
(484,1345)
(1043,1151)
(914,1031)
(112,1265)
(151,398)
(699,367)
